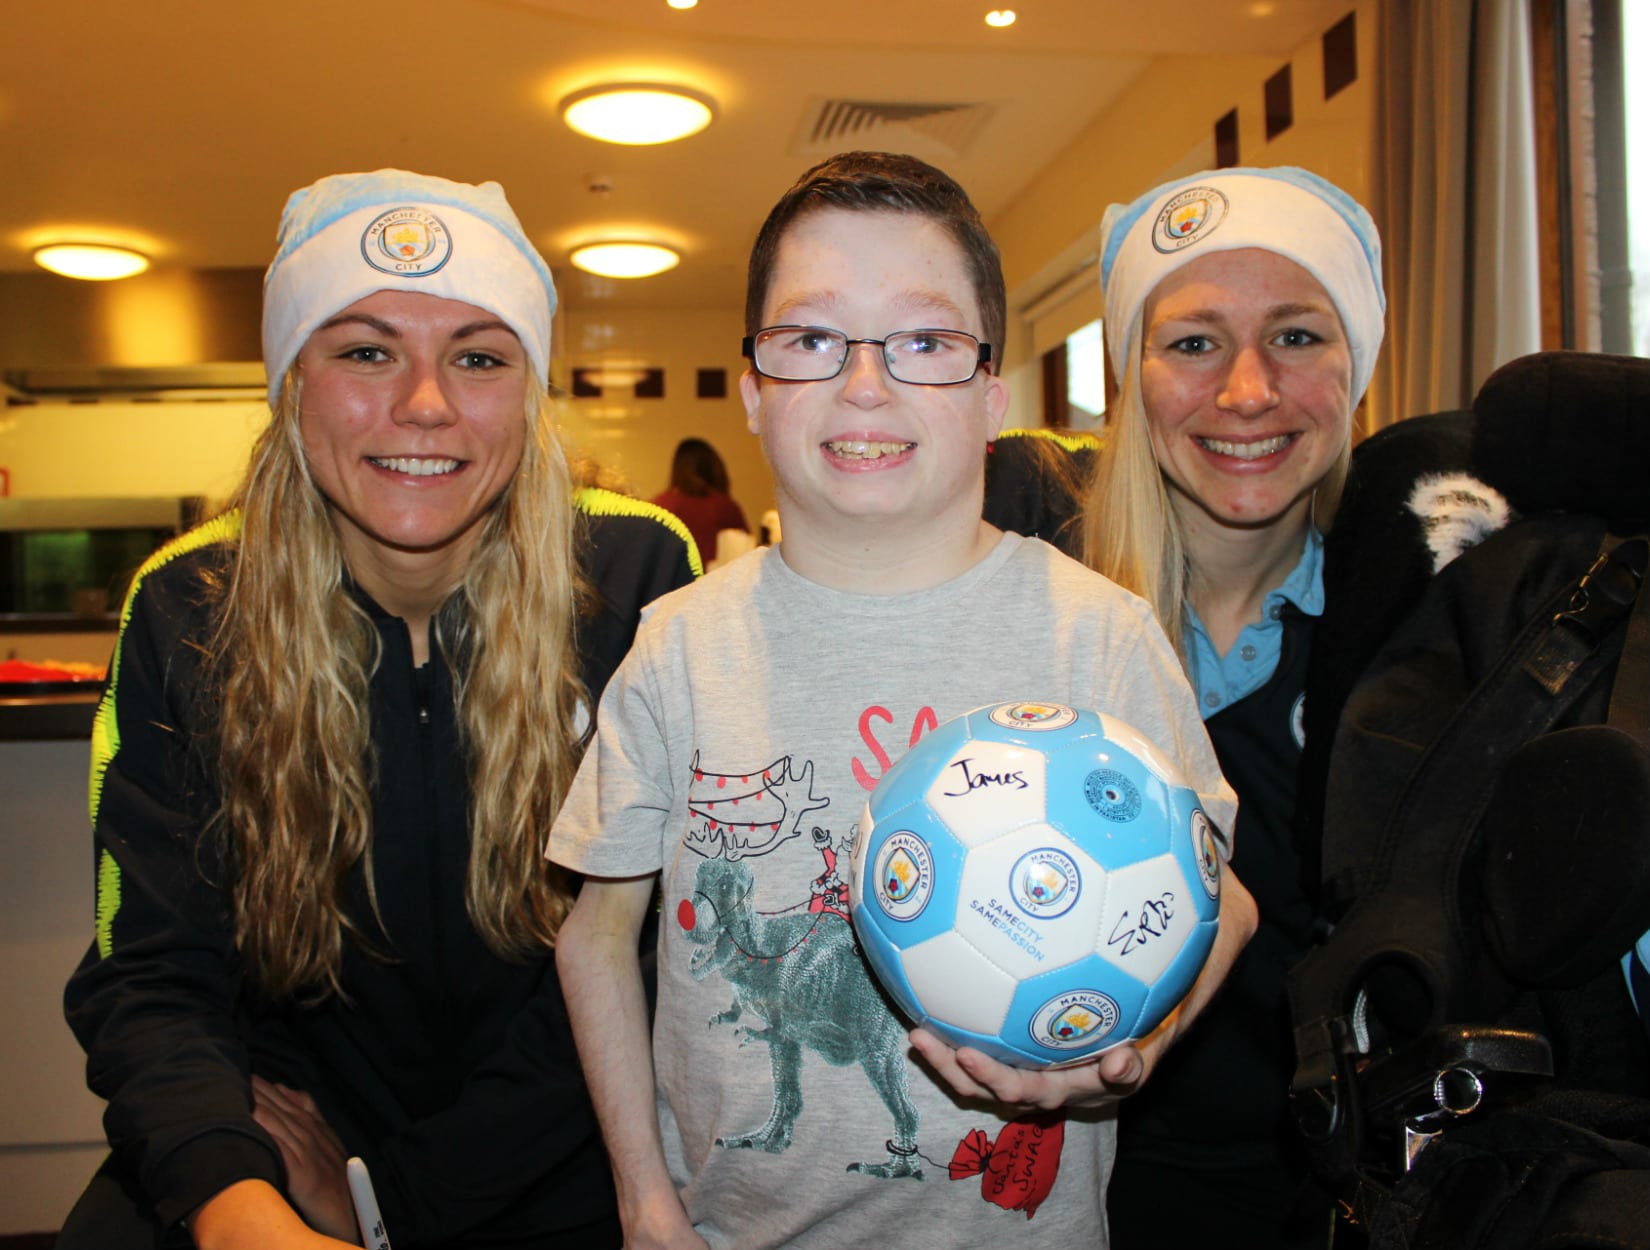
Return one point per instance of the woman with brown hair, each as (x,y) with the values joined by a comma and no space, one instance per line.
(698,494)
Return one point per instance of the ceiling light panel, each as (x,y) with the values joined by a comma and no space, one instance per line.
(93,262)
(625,260)
(638,113)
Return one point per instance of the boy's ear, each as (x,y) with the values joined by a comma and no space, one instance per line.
(996,404)
(750,390)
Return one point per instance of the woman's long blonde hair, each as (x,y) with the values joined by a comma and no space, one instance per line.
(290,663)
(1132,534)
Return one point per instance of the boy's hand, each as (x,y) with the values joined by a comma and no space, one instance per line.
(1118,1072)
(973,1074)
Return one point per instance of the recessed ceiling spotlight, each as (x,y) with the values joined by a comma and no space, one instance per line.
(682,4)
(625,260)
(95,262)
(1000,17)
(638,112)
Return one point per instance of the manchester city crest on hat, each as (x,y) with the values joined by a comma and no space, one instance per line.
(409,242)
(1187,217)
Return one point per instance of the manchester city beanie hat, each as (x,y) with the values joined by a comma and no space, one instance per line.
(350,235)
(1285,210)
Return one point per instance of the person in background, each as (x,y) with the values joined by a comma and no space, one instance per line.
(778,1102)
(339,720)
(1244,313)
(698,494)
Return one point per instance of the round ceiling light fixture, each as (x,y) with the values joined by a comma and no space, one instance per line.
(625,259)
(638,113)
(94,262)
(1000,17)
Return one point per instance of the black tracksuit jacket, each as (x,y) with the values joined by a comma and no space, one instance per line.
(450,1071)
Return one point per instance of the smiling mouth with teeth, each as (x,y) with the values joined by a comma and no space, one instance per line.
(414,466)
(861,449)
(1247,451)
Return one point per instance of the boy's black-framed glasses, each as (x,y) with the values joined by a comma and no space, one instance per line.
(818,353)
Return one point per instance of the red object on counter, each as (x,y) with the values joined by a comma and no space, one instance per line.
(20,672)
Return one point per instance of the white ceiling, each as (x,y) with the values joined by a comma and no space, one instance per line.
(182,125)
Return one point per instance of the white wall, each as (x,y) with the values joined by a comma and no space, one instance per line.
(125,449)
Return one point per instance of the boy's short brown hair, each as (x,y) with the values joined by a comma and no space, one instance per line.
(872,182)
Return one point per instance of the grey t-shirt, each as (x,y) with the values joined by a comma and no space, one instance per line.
(736,747)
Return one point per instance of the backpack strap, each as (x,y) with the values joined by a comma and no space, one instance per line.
(1526,691)
(1630,712)
(1560,644)
(1630,696)
(1407,913)
(1551,914)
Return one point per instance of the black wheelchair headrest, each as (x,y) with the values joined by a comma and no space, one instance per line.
(1568,431)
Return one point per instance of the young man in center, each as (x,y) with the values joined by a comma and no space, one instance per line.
(781,1103)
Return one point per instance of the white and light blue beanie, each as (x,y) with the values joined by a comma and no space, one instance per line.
(350,235)
(1290,211)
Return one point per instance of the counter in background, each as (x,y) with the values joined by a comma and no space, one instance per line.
(51,706)
(47,717)
(51,1134)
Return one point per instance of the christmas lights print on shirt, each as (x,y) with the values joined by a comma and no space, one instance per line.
(731,815)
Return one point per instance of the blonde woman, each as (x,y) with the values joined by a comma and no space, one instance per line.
(338,723)
(1244,312)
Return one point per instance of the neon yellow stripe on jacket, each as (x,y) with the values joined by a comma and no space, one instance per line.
(1071,440)
(108,902)
(106,727)
(594,501)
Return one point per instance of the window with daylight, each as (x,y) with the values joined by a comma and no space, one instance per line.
(1595,167)
(1635,39)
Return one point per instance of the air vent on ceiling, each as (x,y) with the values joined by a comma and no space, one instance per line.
(891,126)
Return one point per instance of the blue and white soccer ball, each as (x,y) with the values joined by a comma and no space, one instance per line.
(1036,882)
